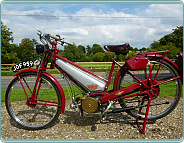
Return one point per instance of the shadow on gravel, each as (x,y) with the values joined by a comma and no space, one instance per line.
(17,126)
(35,116)
(72,117)
(76,119)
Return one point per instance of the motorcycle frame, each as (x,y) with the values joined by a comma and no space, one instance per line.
(115,95)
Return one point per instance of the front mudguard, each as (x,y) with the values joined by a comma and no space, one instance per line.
(52,78)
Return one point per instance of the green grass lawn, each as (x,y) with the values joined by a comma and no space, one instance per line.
(166,90)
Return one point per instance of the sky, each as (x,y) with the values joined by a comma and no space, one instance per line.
(88,24)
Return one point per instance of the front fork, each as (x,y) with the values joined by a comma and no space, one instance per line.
(43,67)
(28,99)
(35,91)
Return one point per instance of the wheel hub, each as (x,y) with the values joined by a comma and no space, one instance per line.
(28,103)
(154,91)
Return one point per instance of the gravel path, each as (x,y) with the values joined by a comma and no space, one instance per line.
(120,126)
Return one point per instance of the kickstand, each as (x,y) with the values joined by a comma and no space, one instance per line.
(142,129)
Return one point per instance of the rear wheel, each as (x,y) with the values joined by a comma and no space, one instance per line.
(168,93)
(33,116)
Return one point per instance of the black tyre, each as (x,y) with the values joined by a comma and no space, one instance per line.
(33,117)
(169,92)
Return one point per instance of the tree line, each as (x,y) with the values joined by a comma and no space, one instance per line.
(24,51)
(172,42)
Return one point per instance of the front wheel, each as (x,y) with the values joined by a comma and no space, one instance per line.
(33,116)
(165,96)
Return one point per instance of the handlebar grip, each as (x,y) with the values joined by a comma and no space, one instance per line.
(55,37)
(58,38)
(69,43)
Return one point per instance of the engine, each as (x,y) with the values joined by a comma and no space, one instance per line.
(87,106)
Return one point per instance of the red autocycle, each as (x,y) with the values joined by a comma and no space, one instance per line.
(147,87)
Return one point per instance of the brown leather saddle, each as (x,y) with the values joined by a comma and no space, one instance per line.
(118,49)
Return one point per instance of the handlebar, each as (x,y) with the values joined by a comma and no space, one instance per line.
(55,37)
(68,43)
(59,39)
(47,37)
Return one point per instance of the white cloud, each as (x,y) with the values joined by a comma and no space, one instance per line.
(88,26)
(165,10)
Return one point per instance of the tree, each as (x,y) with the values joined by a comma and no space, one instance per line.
(70,52)
(131,48)
(98,57)
(121,57)
(131,55)
(97,48)
(26,49)
(74,53)
(7,49)
(178,32)
(155,45)
(143,49)
(82,49)
(108,56)
(89,50)
(173,50)
(135,49)
(172,42)
(175,37)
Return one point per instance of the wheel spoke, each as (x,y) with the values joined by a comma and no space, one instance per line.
(30,115)
(169,92)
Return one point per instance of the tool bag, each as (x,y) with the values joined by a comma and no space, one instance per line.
(137,63)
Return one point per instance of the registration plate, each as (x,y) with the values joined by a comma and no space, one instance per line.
(22,65)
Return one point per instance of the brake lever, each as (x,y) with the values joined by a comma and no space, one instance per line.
(61,43)
(40,33)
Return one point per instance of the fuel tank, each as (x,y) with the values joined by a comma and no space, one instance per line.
(90,82)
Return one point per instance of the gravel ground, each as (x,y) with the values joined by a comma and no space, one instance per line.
(119,126)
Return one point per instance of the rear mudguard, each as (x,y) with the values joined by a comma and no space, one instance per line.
(176,67)
(159,56)
(117,76)
(52,78)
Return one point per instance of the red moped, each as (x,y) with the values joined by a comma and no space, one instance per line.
(139,87)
